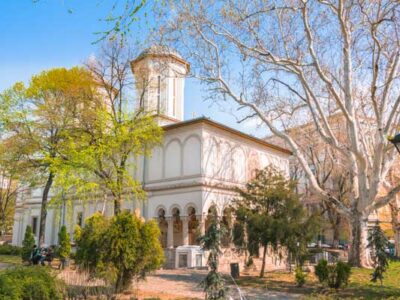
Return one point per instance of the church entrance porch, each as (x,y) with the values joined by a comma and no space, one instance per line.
(181,230)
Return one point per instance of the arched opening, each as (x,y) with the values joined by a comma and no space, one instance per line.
(177,223)
(163,224)
(193,226)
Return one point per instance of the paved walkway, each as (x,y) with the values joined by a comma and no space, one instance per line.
(261,294)
(180,284)
(170,284)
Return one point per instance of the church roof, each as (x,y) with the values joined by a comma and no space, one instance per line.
(161,51)
(215,124)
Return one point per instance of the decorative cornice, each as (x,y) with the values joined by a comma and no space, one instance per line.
(204,120)
(170,55)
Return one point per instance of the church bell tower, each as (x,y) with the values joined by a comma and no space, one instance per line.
(160,79)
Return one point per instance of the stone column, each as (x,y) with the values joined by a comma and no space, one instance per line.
(202,224)
(170,233)
(185,230)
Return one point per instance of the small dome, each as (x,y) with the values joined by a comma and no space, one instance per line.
(159,50)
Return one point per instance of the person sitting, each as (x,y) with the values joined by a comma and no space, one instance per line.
(49,255)
(43,253)
(35,255)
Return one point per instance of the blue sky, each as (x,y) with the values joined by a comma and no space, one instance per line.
(46,34)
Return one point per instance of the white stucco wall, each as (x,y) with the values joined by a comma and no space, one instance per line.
(197,165)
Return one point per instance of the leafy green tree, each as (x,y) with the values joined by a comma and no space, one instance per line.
(109,140)
(36,120)
(273,216)
(378,243)
(27,244)
(64,244)
(119,250)
(10,182)
(213,283)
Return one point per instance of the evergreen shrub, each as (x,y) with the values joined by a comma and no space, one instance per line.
(334,275)
(33,282)
(300,276)
(10,250)
(119,249)
(27,244)
(64,247)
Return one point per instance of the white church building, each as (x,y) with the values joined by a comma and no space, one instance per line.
(197,168)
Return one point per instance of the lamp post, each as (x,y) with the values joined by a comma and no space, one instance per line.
(395,141)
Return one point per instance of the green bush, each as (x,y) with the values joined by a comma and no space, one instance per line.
(300,276)
(30,283)
(27,244)
(119,249)
(10,250)
(333,275)
(343,271)
(321,270)
(64,241)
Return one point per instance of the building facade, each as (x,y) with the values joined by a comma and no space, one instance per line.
(196,169)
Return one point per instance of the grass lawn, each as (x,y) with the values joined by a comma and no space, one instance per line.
(360,286)
(11,259)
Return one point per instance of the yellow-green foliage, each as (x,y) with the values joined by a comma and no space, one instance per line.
(102,154)
(64,247)
(27,244)
(37,119)
(119,249)
(30,283)
(77,232)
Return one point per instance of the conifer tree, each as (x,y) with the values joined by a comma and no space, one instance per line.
(27,244)
(213,284)
(273,216)
(119,250)
(378,242)
(64,242)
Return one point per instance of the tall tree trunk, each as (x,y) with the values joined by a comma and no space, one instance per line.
(263,262)
(118,192)
(395,220)
(336,232)
(117,204)
(397,241)
(358,256)
(43,209)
